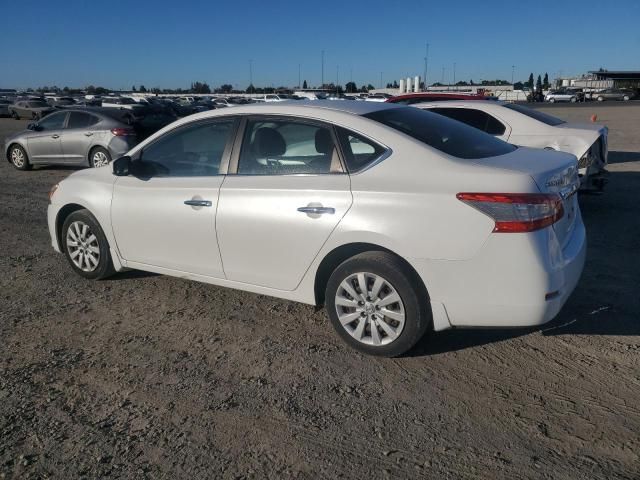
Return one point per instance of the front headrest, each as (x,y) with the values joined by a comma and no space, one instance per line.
(324,142)
(269,143)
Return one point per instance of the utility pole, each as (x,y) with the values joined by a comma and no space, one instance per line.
(454,74)
(513,69)
(426,65)
(322,74)
(381,79)
(443,75)
(337,79)
(251,75)
(299,84)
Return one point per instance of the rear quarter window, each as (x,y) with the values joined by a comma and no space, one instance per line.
(449,136)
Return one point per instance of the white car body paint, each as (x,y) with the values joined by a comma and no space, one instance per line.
(257,240)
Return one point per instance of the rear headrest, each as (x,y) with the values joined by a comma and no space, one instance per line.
(269,143)
(324,142)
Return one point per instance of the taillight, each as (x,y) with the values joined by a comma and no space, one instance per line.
(123,132)
(517,212)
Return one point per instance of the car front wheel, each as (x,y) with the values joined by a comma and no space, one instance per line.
(376,304)
(86,246)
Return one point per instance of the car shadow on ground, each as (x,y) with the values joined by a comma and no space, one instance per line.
(606,300)
(130,275)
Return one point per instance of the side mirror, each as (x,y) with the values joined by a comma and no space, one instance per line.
(34,126)
(122,166)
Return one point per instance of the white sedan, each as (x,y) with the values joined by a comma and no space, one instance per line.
(398,220)
(527,127)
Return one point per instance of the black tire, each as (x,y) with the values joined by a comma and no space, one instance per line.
(626,98)
(600,99)
(15,115)
(104,267)
(552,100)
(15,152)
(94,154)
(406,283)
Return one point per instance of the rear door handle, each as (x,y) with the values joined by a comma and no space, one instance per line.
(198,203)
(317,210)
(55,136)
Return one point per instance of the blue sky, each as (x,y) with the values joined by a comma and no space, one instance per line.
(117,44)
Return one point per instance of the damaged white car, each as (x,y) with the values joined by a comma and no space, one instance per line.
(526,127)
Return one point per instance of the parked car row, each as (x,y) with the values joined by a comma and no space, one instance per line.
(397,219)
(580,95)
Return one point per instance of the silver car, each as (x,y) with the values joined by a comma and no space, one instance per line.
(70,137)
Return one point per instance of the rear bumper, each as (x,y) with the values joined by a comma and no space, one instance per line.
(516,280)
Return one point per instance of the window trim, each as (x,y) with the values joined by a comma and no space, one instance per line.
(224,161)
(382,157)
(237,146)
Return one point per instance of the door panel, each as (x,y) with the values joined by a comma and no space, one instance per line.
(75,145)
(45,147)
(152,224)
(264,240)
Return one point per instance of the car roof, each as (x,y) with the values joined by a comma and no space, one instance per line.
(461,103)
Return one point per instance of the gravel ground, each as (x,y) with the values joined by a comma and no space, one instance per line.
(144,376)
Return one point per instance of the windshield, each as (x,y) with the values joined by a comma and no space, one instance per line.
(449,136)
(535,114)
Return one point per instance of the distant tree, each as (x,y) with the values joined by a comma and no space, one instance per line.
(351,87)
(102,90)
(304,84)
(251,88)
(370,87)
(226,88)
(155,90)
(539,83)
(363,89)
(545,82)
(395,84)
(65,89)
(133,89)
(389,85)
(462,83)
(142,89)
(471,82)
(530,82)
(518,86)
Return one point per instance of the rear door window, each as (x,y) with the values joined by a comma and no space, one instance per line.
(81,120)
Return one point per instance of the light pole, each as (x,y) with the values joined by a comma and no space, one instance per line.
(299,85)
(381,79)
(513,69)
(322,74)
(454,74)
(251,75)
(337,80)
(426,64)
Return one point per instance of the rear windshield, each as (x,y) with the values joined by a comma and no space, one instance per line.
(535,114)
(449,136)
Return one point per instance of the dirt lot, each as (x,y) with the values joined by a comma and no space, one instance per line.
(144,376)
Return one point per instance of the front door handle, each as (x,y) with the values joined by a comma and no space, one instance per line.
(88,134)
(317,210)
(55,136)
(198,203)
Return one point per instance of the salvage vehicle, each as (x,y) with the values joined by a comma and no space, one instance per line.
(527,127)
(398,220)
(70,137)
(561,96)
(613,94)
(33,109)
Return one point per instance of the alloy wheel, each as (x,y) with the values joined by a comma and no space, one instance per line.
(17,157)
(100,159)
(83,246)
(370,309)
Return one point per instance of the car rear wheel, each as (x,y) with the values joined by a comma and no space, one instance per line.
(601,99)
(376,305)
(19,158)
(86,246)
(552,100)
(15,115)
(625,98)
(99,157)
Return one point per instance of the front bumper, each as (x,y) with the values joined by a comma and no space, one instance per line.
(516,280)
